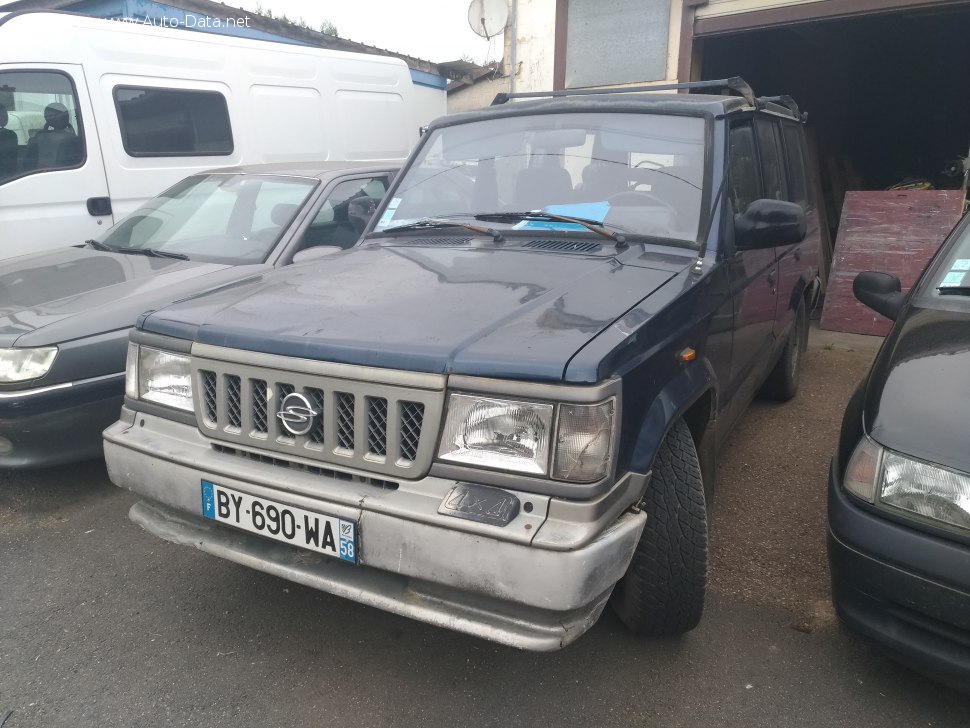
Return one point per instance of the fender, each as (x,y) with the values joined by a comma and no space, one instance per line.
(691,383)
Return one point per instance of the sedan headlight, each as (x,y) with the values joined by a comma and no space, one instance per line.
(20,365)
(517,436)
(154,375)
(892,480)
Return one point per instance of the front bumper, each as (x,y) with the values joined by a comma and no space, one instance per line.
(58,424)
(905,589)
(490,581)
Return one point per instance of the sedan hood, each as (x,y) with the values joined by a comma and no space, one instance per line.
(76,292)
(486,312)
(919,389)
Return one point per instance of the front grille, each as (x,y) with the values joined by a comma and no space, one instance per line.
(365,424)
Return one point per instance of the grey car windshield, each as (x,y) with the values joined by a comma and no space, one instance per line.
(638,173)
(222,218)
(947,283)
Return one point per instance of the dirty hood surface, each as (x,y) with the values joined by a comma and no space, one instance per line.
(487,312)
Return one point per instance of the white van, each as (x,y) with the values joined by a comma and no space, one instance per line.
(98,116)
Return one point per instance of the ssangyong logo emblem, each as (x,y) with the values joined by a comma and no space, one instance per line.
(296,414)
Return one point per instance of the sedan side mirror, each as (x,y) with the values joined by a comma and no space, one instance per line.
(767,223)
(881,292)
(317,251)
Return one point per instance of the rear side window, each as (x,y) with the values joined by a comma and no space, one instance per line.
(745,180)
(772,160)
(162,122)
(797,165)
(40,127)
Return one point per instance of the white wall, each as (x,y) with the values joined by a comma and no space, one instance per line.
(535,44)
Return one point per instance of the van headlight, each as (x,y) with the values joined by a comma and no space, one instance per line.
(162,377)
(21,365)
(575,441)
(908,486)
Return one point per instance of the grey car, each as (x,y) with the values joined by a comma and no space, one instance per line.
(65,315)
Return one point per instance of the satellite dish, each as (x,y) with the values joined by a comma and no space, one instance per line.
(488,18)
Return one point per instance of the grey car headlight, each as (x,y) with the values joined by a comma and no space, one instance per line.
(158,376)
(525,437)
(21,365)
(914,487)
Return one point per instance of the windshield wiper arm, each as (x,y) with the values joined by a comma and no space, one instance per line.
(595,226)
(98,245)
(152,253)
(432,223)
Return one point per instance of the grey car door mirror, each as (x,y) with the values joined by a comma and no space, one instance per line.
(880,291)
(769,223)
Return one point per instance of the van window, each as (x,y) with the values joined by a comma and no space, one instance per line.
(797,167)
(772,160)
(745,182)
(40,129)
(162,122)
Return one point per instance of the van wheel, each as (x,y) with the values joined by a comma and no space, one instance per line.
(782,382)
(662,592)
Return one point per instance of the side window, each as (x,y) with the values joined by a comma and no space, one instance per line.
(745,179)
(40,128)
(161,122)
(345,213)
(797,165)
(772,159)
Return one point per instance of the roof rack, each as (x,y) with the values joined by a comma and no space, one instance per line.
(735,83)
(788,102)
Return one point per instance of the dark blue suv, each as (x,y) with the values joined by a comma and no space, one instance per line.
(501,410)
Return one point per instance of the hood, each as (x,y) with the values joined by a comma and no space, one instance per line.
(71,293)
(918,397)
(478,311)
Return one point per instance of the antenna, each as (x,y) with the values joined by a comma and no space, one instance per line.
(488,18)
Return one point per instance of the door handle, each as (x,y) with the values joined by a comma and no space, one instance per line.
(771,280)
(99,206)
(798,253)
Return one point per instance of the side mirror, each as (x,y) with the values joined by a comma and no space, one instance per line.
(316,252)
(767,223)
(881,292)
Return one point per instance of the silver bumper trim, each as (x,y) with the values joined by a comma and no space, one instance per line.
(21,393)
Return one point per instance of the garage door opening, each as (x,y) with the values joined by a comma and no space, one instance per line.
(885,94)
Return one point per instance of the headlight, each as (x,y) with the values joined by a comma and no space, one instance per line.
(497,433)
(19,365)
(512,435)
(159,376)
(892,480)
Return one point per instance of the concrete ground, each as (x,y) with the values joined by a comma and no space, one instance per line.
(103,625)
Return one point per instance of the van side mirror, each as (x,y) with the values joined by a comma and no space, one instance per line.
(881,292)
(317,251)
(767,223)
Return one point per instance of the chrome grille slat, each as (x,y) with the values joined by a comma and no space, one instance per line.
(366,425)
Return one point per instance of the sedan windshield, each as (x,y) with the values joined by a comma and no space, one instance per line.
(221,218)
(947,282)
(641,174)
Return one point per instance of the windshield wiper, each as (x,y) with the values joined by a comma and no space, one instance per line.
(596,226)
(98,245)
(152,253)
(433,223)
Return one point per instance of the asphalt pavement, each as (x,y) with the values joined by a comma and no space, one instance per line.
(104,625)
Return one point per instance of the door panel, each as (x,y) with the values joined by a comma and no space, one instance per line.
(57,166)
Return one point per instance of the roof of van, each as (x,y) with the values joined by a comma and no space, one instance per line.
(308,169)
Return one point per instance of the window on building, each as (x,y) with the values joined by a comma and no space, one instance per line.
(161,122)
(40,128)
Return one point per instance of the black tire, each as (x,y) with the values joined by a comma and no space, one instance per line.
(782,383)
(662,592)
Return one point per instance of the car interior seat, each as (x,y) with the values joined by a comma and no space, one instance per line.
(536,187)
(57,144)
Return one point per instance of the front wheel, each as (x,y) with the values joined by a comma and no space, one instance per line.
(662,592)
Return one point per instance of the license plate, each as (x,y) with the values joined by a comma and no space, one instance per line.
(306,529)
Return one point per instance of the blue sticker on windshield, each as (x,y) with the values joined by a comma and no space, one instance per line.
(961,264)
(952,280)
(595,211)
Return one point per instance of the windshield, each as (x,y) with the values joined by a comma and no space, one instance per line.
(638,173)
(220,218)
(947,283)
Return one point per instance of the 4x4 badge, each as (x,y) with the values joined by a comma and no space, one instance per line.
(296,414)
